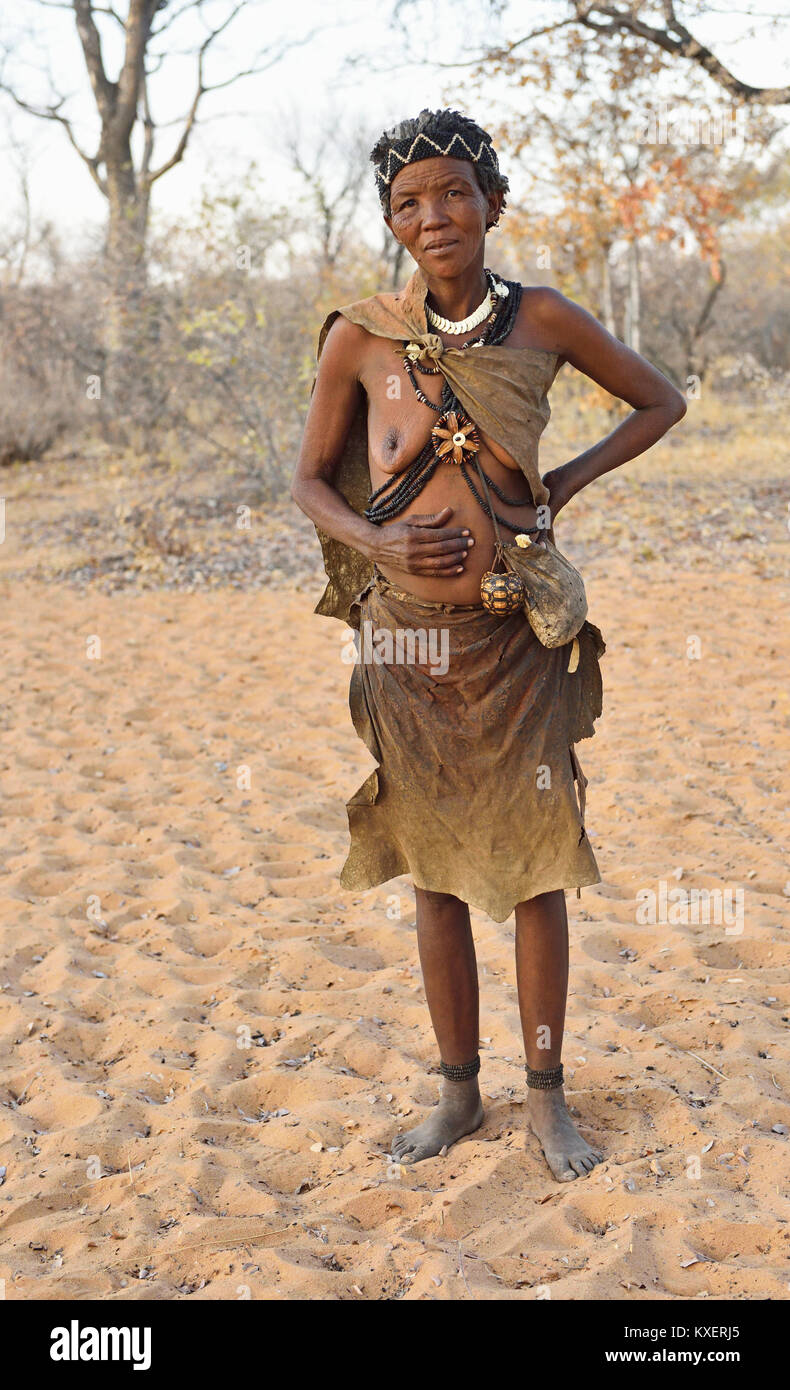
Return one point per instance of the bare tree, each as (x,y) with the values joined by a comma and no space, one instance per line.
(333,167)
(123,106)
(694,324)
(16,239)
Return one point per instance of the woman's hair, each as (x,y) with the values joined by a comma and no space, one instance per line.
(430,134)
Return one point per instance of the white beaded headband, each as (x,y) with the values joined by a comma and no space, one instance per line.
(403,152)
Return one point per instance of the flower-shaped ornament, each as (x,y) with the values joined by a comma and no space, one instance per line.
(455,437)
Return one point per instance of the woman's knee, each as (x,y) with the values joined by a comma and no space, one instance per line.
(437,902)
(543,907)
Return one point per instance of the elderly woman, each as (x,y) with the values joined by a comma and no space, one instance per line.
(420,446)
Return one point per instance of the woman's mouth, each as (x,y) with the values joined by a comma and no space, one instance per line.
(437,247)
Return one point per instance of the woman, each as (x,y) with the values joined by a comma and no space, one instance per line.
(474,792)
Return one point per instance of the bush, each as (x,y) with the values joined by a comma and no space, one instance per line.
(34,413)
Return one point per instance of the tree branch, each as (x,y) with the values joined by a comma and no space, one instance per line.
(51,113)
(103,90)
(203,87)
(677,41)
(148,137)
(138,31)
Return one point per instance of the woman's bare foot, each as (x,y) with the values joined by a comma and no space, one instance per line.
(567,1154)
(459,1112)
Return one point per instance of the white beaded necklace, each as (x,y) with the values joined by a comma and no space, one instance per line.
(472,320)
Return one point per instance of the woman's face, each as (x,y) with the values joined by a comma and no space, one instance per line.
(440,214)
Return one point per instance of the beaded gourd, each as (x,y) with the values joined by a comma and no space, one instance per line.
(502,594)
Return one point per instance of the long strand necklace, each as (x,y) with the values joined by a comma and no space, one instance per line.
(454,435)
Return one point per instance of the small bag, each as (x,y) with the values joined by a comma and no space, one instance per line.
(555,602)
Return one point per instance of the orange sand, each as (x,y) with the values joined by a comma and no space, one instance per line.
(154,909)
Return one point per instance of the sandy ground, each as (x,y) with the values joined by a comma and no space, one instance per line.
(206,1046)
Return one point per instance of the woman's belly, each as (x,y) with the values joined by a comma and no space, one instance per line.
(447,488)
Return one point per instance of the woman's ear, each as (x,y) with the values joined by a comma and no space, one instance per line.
(494,209)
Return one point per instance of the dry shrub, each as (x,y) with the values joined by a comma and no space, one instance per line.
(34,412)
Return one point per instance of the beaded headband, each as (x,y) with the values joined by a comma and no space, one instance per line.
(408,151)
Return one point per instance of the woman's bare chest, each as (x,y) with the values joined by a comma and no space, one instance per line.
(403,410)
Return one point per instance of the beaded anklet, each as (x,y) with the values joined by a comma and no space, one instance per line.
(545,1078)
(460,1071)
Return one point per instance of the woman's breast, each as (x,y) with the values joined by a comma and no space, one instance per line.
(395,441)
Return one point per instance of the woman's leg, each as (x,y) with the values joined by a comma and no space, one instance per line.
(542,974)
(449,971)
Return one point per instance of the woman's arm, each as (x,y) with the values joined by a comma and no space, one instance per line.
(657,404)
(421,545)
(334,403)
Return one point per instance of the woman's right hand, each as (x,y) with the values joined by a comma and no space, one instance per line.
(423,544)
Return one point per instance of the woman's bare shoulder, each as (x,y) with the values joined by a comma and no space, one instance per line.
(344,349)
(344,334)
(578,337)
(549,314)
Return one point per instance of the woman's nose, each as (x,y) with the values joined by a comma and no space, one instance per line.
(434,215)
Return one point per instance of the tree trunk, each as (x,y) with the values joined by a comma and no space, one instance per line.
(633,305)
(397,262)
(607,303)
(126,271)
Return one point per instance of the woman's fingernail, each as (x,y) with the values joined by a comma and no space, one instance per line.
(464,533)
(472,541)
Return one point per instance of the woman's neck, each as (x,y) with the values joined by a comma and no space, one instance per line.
(457,298)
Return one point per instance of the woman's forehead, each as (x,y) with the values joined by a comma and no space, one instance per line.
(431,171)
